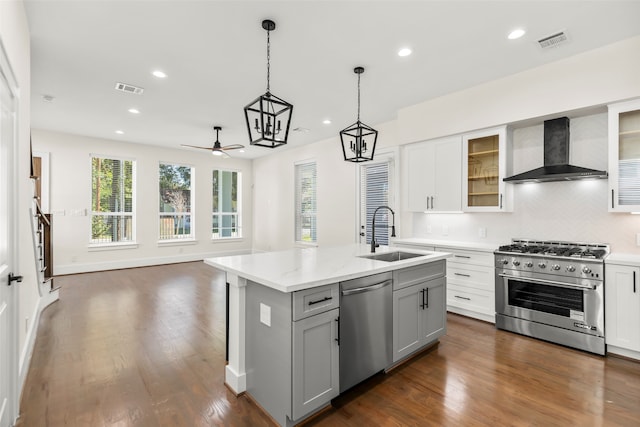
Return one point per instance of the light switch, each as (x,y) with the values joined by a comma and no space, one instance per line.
(265,314)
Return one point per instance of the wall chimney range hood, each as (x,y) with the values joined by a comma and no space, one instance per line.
(556,158)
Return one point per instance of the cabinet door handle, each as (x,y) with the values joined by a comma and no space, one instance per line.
(634,282)
(431,202)
(320,300)
(500,200)
(464,298)
(612,198)
(463,275)
(426,291)
(462,256)
(338,326)
(422,299)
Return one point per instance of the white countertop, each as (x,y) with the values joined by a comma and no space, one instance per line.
(303,268)
(623,258)
(419,241)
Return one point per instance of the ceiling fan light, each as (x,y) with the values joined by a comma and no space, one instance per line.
(216,153)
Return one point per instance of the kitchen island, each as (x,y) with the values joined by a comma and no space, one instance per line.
(284,311)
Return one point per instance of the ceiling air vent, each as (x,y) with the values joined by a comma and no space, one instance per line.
(124,87)
(553,40)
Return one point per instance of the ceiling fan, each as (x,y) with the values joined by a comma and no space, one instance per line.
(217,149)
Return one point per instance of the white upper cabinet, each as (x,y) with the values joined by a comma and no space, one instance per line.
(485,165)
(624,157)
(434,175)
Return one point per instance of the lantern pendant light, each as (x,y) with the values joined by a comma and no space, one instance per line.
(358,140)
(268,117)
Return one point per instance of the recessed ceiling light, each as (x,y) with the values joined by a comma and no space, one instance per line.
(516,34)
(326,121)
(405,51)
(159,74)
(134,111)
(119,132)
(240,151)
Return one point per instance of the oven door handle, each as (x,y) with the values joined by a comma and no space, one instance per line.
(548,282)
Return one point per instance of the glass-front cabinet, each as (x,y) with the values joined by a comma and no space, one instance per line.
(485,167)
(624,157)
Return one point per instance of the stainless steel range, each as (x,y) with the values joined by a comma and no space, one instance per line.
(553,291)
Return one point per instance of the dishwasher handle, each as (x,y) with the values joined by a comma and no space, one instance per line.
(366,288)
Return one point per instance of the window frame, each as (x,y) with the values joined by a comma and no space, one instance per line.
(238,212)
(118,244)
(298,205)
(190,238)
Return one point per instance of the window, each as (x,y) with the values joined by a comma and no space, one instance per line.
(375,188)
(112,216)
(306,202)
(175,202)
(227,187)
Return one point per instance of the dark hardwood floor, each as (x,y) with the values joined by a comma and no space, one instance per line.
(145,347)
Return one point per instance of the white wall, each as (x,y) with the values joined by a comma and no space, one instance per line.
(597,77)
(70,186)
(336,192)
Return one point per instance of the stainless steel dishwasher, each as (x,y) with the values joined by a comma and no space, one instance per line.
(366,344)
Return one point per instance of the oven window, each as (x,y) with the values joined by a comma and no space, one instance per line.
(546,298)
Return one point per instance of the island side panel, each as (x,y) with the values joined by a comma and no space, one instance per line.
(268,349)
(235,374)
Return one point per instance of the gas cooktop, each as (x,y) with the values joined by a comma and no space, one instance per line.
(594,251)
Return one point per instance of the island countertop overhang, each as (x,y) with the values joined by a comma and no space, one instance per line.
(303,268)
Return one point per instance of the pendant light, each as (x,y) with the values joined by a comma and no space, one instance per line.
(268,117)
(358,140)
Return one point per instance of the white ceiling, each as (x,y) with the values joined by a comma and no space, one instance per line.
(214,53)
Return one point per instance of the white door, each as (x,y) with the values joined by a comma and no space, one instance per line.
(376,189)
(8,223)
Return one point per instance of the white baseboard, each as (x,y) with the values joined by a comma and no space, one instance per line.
(61,270)
(30,339)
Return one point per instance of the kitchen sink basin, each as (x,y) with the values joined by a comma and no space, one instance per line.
(392,256)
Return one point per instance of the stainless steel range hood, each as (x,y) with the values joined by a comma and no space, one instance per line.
(556,158)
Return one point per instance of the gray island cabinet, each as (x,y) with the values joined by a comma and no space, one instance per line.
(284,313)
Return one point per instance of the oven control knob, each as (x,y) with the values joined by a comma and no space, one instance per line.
(528,264)
(555,267)
(516,262)
(586,270)
(504,261)
(571,268)
(542,265)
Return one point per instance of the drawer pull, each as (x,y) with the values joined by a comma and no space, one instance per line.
(464,298)
(463,275)
(462,256)
(320,300)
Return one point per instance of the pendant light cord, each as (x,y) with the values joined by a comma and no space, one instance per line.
(268,60)
(358,98)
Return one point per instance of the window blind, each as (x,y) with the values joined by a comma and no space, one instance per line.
(374,192)
(111,200)
(306,208)
(226,186)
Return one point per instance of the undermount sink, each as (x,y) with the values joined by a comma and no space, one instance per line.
(392,256)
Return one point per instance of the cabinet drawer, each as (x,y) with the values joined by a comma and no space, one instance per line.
(471,299)
(420,273)
(460,256)
(474,276)
(315,300)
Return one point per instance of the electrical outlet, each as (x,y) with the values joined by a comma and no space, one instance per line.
(428,229)
(58,212)
(445,230)
(482,232)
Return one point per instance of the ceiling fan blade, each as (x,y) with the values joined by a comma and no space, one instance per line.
(232,147)
(195,146)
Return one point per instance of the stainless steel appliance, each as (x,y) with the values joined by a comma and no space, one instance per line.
(553,291)
(365,328)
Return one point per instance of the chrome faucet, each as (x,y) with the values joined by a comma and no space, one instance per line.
(373,227)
